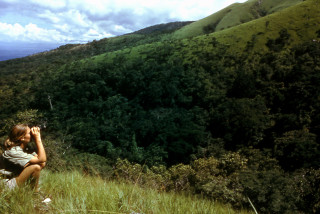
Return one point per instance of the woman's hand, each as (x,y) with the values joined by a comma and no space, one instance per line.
(41,153)
(35,131)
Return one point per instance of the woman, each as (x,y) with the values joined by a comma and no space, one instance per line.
(18,161)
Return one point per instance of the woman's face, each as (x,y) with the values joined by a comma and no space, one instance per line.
(27,138)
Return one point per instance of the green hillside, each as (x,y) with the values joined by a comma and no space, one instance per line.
(234,15)
(300,21)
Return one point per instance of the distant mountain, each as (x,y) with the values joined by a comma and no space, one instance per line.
(163,28)
(17,50)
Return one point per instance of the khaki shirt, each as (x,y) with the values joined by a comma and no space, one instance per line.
(17,156)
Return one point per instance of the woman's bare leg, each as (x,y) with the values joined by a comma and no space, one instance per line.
(31,171)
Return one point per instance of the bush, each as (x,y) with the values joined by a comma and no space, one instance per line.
(218,179)
(157,177)
(89,164)
(181,177)
(232,162)
(307,186)
(269,188)
(270,191)
(297,149)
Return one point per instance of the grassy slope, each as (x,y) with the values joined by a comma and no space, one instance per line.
(72,192)
(276,5)
(302,21)
(195,29)
(233,15)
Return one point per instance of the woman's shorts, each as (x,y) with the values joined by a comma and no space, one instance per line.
(10,184)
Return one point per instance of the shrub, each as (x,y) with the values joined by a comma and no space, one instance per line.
(205,168)
(270,191)
(159,178)
(232,162)
(297,149)
(307,186)
(127,171)
(181,176)
(258,160)
(218,179)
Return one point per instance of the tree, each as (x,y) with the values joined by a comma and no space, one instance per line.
(240,122)
(297,149)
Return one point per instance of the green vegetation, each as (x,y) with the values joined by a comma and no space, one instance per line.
(229,115)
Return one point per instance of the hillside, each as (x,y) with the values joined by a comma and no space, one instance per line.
(301,22)
(234,15)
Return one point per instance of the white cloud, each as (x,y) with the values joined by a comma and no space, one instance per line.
(139,11)
(47,14)
(63,28)
(76,17)
(92,34)
(120,28)
(69,16)
(54,4)
(11,30)
(85,20)
(179,9)
(30,32)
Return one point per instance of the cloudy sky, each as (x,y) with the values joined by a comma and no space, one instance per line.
(80,21)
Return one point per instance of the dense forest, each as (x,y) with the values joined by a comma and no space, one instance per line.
(190,114)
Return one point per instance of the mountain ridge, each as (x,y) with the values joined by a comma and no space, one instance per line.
(236,37)
(175,30)
(162,28)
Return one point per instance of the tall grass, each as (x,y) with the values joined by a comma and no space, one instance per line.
(73,192)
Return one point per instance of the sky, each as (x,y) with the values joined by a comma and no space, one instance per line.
(81,21)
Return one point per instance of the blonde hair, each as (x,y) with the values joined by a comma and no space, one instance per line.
(15,136)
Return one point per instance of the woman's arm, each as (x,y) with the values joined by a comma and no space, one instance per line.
(42,157)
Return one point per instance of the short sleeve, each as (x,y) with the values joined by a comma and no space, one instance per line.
(17,156)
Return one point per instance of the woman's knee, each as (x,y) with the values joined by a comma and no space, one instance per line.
(35,167)
(30,171)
